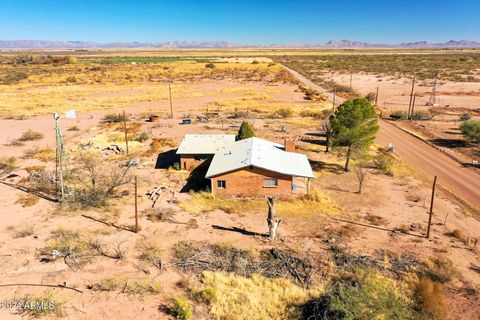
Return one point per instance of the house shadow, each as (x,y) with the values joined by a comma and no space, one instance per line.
(330,167)
(240,230)
(316,142)
(166,159)
(196,180)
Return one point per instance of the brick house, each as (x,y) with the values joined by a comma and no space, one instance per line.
(197,148)
(257,167)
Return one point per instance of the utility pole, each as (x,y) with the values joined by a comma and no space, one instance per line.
(136,208)
(125,129)
(170,93)
(411,97)
(376,97)
(413,106)
(333,103)
(433,96)
(431,207)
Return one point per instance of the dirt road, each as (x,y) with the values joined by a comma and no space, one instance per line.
(464,182)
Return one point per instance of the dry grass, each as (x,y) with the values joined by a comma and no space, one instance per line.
(48,304)
(460,235)
(128,285)
(118,85)
(238,298)
(30,135)
(42,154)
(23,231)
(316,202)
(431,299)
(27,200)
(159,144)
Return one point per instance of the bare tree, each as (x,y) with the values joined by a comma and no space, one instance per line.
(273,223)
(361,172)
(100,181)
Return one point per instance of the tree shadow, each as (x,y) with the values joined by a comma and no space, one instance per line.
(240,230)
(166,159)
(450,143)
(330,167)
(196,180)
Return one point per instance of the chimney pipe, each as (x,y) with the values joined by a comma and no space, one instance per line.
(289,145)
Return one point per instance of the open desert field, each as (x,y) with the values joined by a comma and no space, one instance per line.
(196,255)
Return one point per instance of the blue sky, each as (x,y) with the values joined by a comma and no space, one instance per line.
(241,22)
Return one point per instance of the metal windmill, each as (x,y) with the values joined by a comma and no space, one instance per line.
(62,167)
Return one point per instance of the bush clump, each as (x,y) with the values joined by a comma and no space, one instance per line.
(246,131)
(182,309)
(364,295)
(30,135)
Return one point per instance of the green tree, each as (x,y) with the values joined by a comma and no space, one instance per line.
(246,131)
(471,130)
(354,126)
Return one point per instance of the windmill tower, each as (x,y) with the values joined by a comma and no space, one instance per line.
(433,96)
(62,167)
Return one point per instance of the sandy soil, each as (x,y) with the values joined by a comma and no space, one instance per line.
(394,93)
(384,196)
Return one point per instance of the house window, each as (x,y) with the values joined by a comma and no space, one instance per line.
(270,183)
(221,184)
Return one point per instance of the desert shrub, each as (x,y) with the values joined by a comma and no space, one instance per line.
(316,114)
(465,117)
(143,137)
(371,96)
(285,112)
(71,246)
(205,295)
(235,297)
(422,115)
(27,200)
(42,154)
(400,115)
(182,309)
(71,79)
(158,144)
(43,305)
(384,162)
(98,181)
(255,62)
(24,231)
(471,130)
(364,295)
(30,135)
(246,131)
(13,77)
(40,180)
(441,269)
(151,254)
(114,117)
(73,128)
(140,287)
(430,299)
(460,235)
(7,164)
(210,65)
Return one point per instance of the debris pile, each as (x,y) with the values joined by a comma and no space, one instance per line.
(112,149)
(273,263)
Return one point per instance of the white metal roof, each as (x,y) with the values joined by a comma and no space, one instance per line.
(205,143)
(261,154)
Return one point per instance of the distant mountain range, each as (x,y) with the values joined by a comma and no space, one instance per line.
(49,44)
